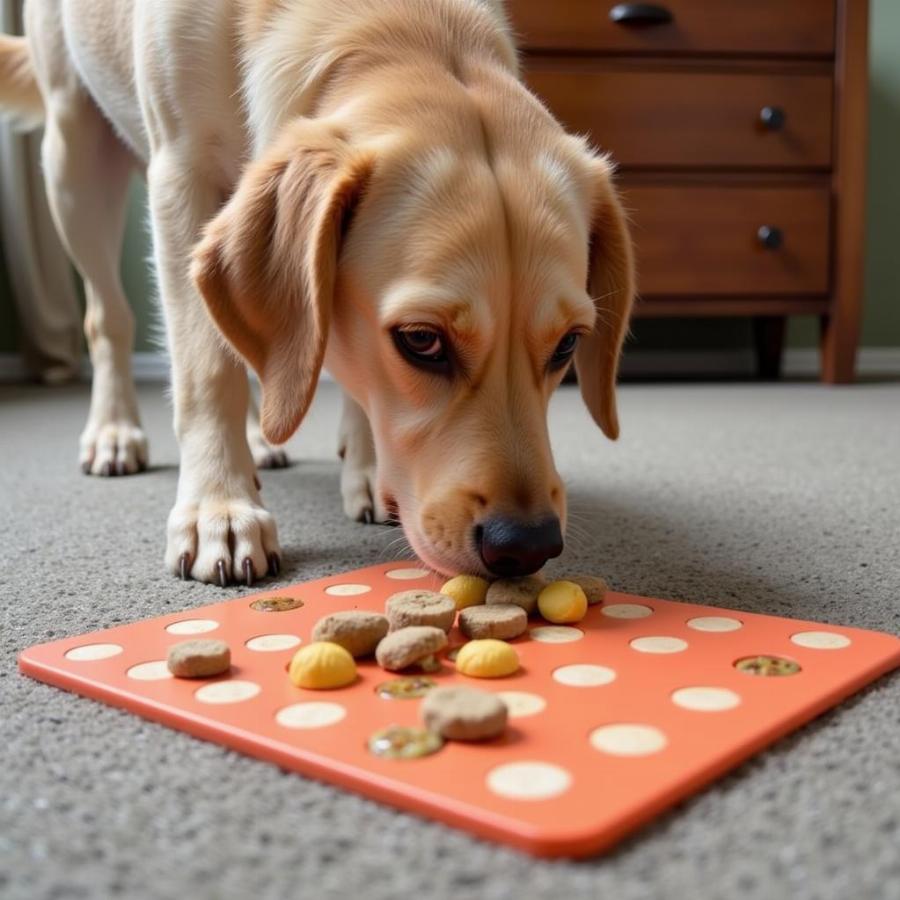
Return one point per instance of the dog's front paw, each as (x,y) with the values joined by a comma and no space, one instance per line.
(222,541)
(361,500)
(114,448)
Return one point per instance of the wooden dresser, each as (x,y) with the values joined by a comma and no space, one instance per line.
(740,131)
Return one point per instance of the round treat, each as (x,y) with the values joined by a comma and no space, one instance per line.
(518,591)
(415,645)
(276,604)
(561,602)
(199,658)
(487,658)
(594,588)
(410,687)
(462,713)
(358,632)
(466,590)
(418,607)
(322,665)
(767,666)
(399,742)
(504,621)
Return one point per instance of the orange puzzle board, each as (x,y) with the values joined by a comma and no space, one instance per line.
(611,722)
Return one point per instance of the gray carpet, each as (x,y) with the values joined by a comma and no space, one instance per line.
(776,498)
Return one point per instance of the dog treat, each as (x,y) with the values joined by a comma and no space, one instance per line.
(504,621)
(276,604)
(518,591)
(322,665)
(562,602)
(200,658)
(400,742)
(466,590)
(767,666)
(487,658)
(406,688)
(594,588)
(418,607)
(357,631)
(460,713)
(413,645)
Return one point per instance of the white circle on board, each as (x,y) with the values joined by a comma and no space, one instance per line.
(715,623)
(156,670)
(192,626)
(706,699)
(556,634)
(820,640)
(628,739)
(529,780)
(626,611)
(584,675)
(310,715)
(229,691)
(347,590)
(659,644)
(407,574)
(522,703)
(91,652)
(268,643)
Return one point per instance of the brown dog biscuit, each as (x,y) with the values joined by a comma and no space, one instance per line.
(418,607)
(414,645)
(201,658)
(355,630)
(461,713)
(503,621)
(518,591)
(594,588)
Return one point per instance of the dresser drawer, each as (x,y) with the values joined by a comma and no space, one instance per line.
(656,118)
(789,27)
(701,240)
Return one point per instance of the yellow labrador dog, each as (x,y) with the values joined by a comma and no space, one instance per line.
(360,184)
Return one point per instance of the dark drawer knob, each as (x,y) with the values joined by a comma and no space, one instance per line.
(640,14)
(770,237)
(772,117)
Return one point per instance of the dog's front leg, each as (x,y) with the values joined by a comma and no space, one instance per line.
(356,448)
(218,530)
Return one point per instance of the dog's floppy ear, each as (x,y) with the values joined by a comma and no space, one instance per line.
(266,264)
(611,284)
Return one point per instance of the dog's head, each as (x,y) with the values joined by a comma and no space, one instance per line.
(451,281)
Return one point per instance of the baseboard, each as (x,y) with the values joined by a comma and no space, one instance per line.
(799,362)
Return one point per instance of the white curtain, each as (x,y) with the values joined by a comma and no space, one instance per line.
(41,277)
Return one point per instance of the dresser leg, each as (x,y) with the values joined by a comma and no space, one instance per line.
(837,348)
(768,334)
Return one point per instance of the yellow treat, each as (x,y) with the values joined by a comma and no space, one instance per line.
(322,665)
(561,602)
(466,590)
(487,658)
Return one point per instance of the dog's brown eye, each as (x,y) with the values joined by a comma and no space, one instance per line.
(421,346)
(564,350)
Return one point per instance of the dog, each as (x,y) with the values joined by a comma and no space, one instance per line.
(364,185)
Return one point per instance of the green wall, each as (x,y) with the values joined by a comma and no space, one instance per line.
(881,323)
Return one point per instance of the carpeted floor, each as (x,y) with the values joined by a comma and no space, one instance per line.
(771,498)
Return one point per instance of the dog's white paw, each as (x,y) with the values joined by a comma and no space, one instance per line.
(264,454)
(222,541)
(361,500)
(114,448)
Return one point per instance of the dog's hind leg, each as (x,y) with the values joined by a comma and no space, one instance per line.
(87,170)
(264,454)
(356,448)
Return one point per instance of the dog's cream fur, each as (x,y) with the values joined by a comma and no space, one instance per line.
(320,172)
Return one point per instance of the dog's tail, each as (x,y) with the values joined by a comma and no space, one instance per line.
(20,96)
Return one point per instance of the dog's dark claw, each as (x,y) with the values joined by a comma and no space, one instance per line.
(248,572)
(120,469)
(142,465)
(367,517)
(257,482)
(184,566)
(86,467)
(107,471)
(223,573)
(274,564)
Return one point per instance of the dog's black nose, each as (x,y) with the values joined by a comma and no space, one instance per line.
(509,547)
